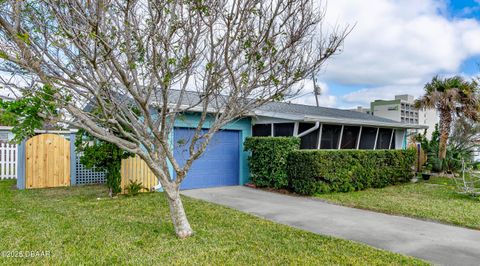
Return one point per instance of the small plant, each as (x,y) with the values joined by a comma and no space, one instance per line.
(134,187)
(426,171)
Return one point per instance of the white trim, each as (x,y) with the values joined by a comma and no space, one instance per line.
(341,137)
(359,136)
(73,130)
(295,129)
(357,122)
(320,137)
(391,138)
(376,139)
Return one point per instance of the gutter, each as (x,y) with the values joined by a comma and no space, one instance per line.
(317,125)
(40,131)
(361,122)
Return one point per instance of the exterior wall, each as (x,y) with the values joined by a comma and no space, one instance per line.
(244,125)
(387,109)
(428,117)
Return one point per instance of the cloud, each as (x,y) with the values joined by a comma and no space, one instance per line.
(306,95)
(400,42)
(364,96)
(397,46)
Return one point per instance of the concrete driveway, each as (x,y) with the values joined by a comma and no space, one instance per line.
(438,243)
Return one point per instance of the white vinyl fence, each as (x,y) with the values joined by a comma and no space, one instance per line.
(8,160)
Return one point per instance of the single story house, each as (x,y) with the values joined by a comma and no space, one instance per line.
(225,163)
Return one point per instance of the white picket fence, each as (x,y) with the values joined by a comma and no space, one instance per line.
(8,161)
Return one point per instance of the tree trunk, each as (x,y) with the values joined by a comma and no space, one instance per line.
(445,123)
(177,212)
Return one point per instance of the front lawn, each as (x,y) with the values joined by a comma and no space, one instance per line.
(432,200)
(78,225)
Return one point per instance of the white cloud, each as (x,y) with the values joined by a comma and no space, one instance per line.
(306,95)
(400,42)
(397,46)
(364,96)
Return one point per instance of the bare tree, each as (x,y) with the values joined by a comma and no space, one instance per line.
(138,62)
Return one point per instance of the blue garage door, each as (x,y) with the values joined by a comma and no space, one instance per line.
(218,165)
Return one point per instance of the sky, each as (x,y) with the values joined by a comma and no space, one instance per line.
(395,48)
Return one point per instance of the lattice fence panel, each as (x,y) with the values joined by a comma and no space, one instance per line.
(85,176)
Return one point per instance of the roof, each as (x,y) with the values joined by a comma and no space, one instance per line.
(300,112)
(294,112)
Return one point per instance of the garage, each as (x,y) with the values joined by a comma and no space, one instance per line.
(218,166)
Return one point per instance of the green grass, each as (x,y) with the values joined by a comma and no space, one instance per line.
(79,225)
(432,200)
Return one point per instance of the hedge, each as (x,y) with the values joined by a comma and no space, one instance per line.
(323,171)
(268,159)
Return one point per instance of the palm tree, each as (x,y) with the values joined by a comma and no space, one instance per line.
(450,96)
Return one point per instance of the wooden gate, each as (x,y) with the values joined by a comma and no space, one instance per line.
(47,161)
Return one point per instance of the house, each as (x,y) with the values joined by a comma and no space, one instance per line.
(225,163)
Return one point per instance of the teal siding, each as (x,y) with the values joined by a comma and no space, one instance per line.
(244,125)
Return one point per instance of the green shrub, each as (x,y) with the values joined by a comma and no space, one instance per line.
(322,171)
(268,159)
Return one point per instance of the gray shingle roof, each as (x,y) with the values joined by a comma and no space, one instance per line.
(298,112)
(308,110)
(301,112)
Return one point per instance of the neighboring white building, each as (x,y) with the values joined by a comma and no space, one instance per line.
(403,110)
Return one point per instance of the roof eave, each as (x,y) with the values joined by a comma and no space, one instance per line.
(360,122)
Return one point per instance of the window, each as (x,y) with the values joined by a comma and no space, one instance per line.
(283,129)
(330,136)
(262,130)
(367,140)
(384,136)
(310,141)
(350,137)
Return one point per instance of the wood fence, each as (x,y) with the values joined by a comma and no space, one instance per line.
(8,161)
(47,161)
(135,169)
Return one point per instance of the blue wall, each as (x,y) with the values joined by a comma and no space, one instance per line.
(244,125)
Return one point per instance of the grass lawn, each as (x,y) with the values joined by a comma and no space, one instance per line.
(78,225)
(435,199)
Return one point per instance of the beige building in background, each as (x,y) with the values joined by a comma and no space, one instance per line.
(402,109)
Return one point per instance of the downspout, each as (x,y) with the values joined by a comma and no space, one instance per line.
(310,130)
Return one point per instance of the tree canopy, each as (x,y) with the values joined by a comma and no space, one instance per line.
(163,58)
(451,96)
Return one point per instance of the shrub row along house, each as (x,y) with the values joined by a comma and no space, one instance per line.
(225,162)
